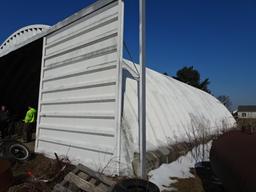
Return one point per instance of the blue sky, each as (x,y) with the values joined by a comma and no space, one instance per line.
(217,37)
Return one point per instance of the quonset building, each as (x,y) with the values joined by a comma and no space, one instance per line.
(87,94)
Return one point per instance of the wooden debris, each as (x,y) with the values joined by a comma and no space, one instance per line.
(83,178)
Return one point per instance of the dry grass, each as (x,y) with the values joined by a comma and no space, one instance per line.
(188,185)
(39,167)
(247,125)
(192,184)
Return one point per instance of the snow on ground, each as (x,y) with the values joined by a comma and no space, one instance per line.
(165,175)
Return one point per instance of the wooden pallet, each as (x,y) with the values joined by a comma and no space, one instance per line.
(82,179)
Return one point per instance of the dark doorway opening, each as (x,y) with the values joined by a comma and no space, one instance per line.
(20,78)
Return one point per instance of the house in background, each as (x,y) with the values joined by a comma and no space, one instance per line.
(247,112)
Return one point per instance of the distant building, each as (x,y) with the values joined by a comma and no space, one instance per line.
(247,111)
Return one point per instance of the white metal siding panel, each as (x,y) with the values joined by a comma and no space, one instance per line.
(78,93)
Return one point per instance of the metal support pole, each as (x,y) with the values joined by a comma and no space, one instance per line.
(142,95)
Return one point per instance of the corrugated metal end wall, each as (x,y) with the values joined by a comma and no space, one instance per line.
(79,91)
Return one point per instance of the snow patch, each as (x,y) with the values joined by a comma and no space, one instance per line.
(165,175)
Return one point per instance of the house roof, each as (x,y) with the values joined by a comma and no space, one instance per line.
(247,108)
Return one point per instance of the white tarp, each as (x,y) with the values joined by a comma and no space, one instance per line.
(176,112)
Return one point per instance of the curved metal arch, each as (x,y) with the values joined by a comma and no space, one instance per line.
(22,35)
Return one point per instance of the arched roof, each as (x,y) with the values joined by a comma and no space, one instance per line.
(175,111)
(21,36)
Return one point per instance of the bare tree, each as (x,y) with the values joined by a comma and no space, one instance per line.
(225,100)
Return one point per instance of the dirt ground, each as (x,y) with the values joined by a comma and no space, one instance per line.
(35,172)
(39,167)
(188,185)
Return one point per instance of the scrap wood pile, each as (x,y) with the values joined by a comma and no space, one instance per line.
(39,174)
(42,174)
(83,178)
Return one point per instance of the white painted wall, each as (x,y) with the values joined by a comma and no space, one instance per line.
(248,115)
(78,102)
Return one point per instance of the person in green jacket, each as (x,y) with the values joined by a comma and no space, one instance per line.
(29,121)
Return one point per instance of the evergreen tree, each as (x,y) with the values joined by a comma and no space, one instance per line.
(191,76)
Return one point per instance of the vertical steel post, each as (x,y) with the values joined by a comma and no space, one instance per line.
(119,82)
(142,95)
